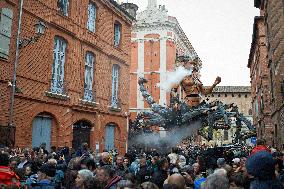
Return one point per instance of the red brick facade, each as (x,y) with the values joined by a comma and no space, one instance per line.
(259,74)
(274,30)
(35,68)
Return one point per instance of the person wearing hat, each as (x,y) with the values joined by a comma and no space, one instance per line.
(261,166)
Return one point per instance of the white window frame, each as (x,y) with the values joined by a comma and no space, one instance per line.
(59,52)
(65,8)
(89,76)
(117,34)
(115,85)
(92,16)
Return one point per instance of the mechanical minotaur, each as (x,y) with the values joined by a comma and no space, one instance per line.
(191,84)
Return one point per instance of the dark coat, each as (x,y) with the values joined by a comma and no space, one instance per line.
(159,178)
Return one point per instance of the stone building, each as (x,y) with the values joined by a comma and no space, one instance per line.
(72,84)
(259,74)
(273,13)
(157,39)
(240,96)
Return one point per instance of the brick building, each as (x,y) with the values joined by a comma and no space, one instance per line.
(73,82)
(259,74)
(157,39)
(273,13)
(240,96)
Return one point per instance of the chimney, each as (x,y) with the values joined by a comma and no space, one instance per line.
(131,8)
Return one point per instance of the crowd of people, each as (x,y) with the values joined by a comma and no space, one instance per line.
(186,167)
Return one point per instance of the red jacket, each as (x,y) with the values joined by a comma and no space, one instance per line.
(259,148)
(8,177)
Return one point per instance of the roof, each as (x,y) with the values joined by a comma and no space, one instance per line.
(122,10)
(232,89)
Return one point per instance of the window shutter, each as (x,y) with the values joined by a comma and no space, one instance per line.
(5,31)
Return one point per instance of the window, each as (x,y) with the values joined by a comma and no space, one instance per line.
(92,11)
(63,6)
(256,107)
(114,91)
(117,34)
(226,135)
(89,76)
(57,84)
(6,17)
(109,137)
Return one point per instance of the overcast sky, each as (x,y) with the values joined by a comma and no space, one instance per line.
(220,32)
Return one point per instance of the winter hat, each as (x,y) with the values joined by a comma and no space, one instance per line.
(261,165)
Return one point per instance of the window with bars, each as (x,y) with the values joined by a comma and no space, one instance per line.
(63,6)
(115,84)
(92,14)
(57,81)
(89,76)
(117,34)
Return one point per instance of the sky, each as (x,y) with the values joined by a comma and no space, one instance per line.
(220,32)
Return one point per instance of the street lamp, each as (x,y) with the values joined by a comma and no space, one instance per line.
(39,30)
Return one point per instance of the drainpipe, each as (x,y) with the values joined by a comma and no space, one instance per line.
(12,97)
(127,130)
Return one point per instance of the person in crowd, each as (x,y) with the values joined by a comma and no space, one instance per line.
(23,160)
(173,156)
(217,181)
(177,180)
(237,181)
(119,167)
(13,163)
(144,173)
(149,185)
(125,184)
(105,159)
(261,166)
(7,176)
(162,174)
(71,173)
(221,163)
(260,146)
(45,177)
(154,164)
(84,179)
(106,174)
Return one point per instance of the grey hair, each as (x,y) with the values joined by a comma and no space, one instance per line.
(221,172)
(125,184)
(217,181)
(86,174)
